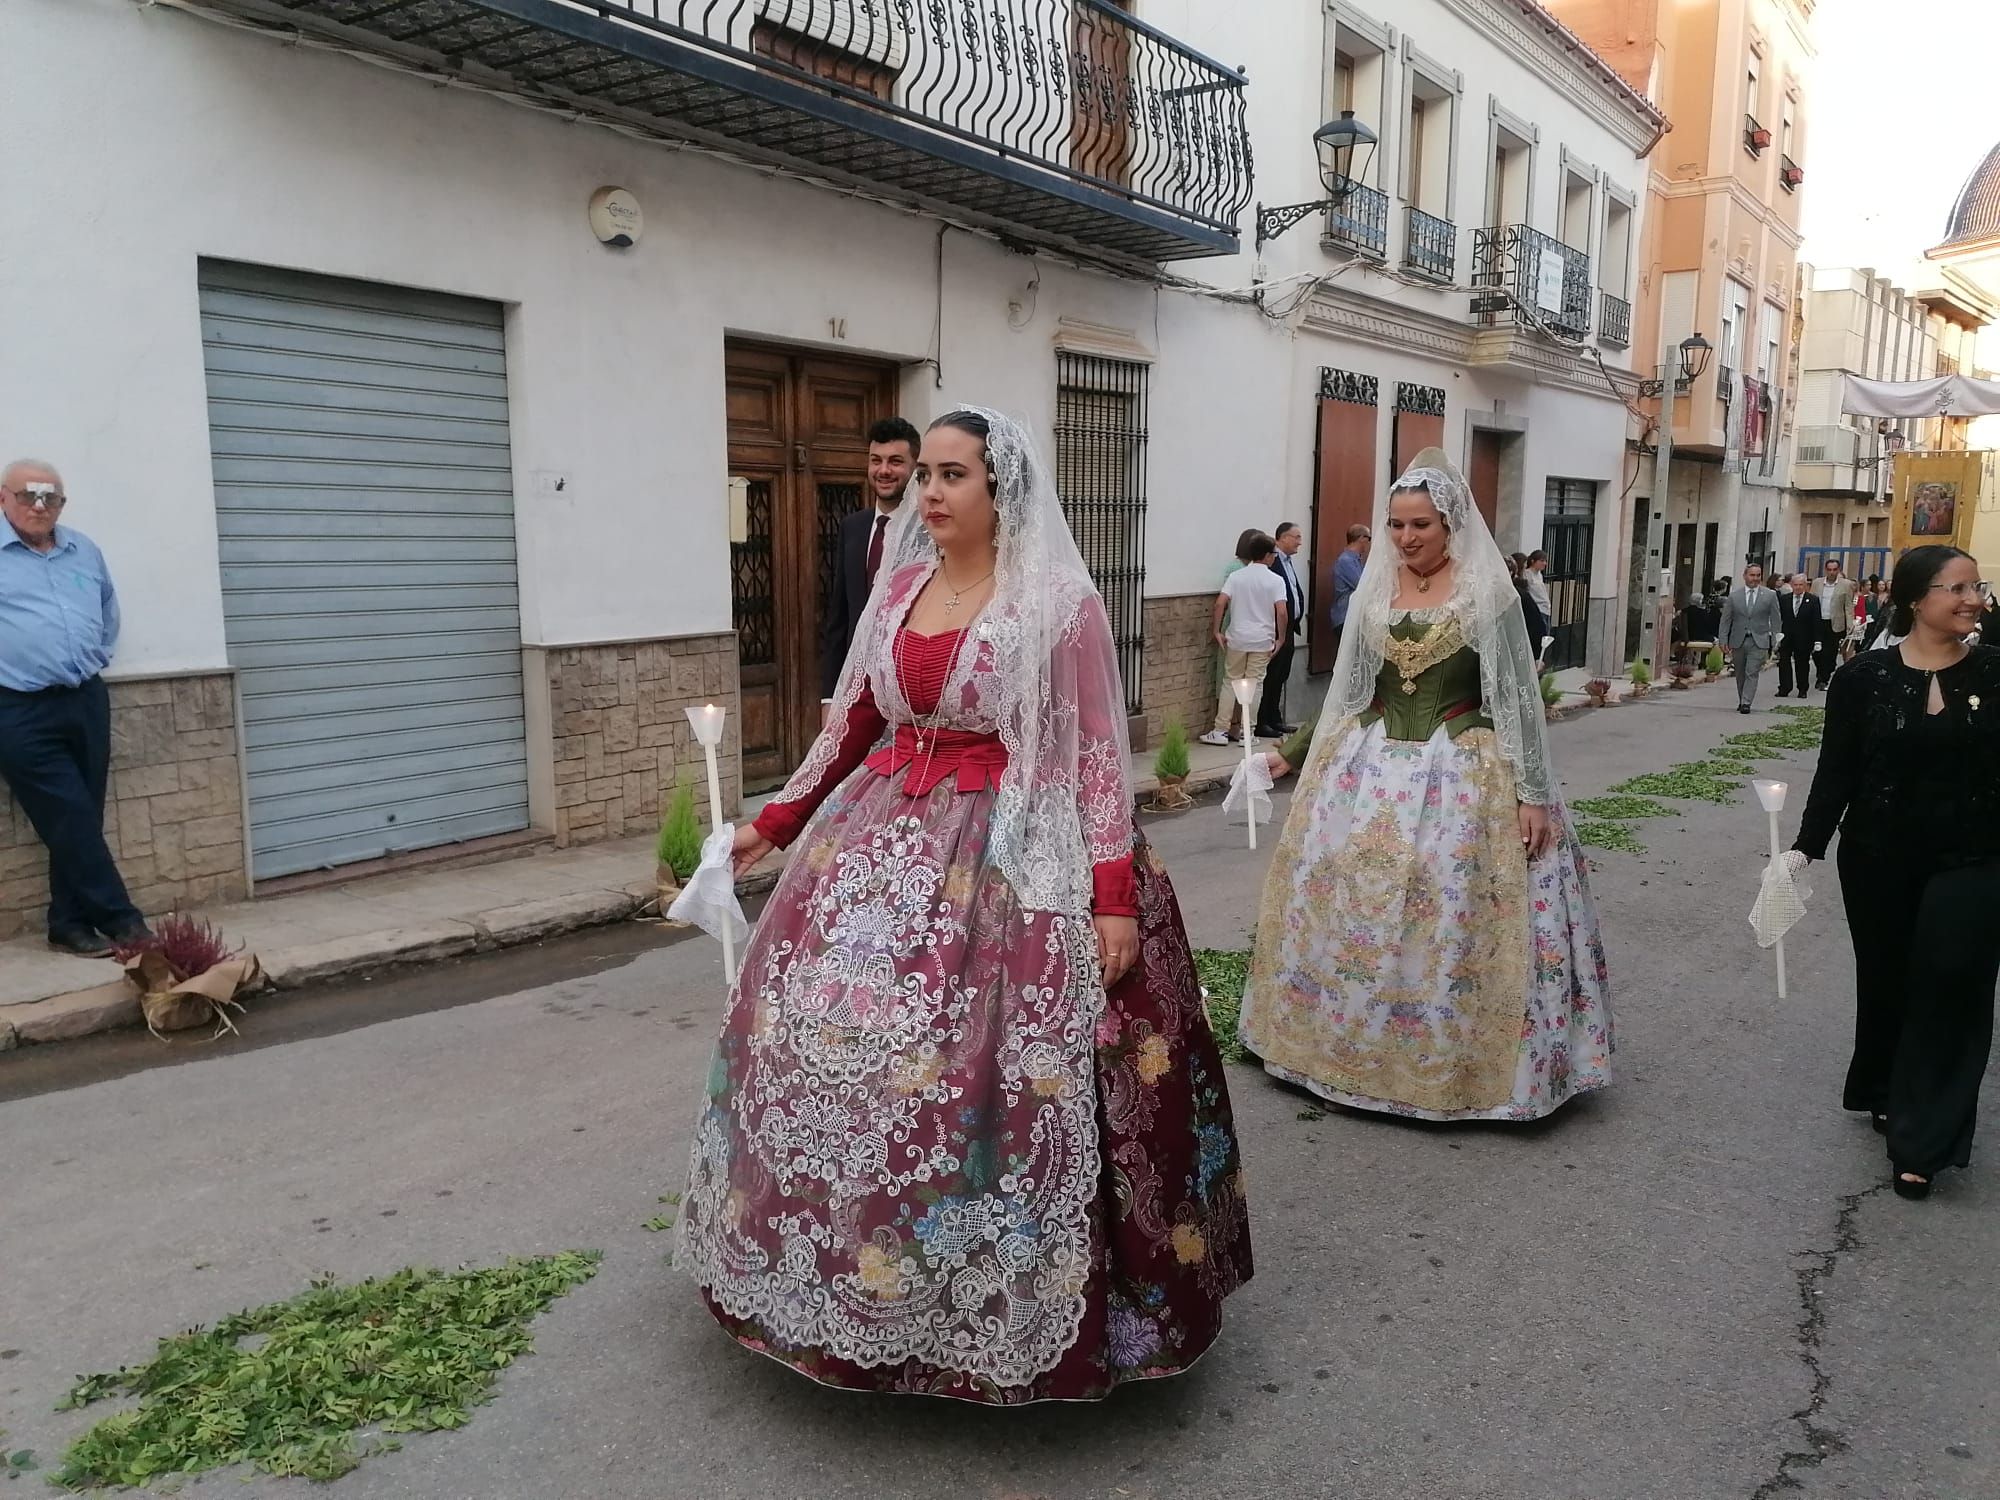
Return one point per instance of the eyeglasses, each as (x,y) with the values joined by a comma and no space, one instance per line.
(1982,589)
(40,496)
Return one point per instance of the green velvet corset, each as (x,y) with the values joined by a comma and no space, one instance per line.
(1440,689)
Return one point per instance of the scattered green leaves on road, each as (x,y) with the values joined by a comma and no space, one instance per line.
(287,1387)
(1601,833)
(1222,972)
(1623,807)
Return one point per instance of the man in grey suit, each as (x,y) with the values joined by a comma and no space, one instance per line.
(1749,631)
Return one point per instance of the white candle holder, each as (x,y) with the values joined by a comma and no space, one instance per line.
(1771,797)
(1246,689)
(706,722)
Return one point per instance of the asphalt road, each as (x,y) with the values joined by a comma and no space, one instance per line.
(1695,1286)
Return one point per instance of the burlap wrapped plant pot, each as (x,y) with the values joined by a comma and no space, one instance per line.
(173,1004)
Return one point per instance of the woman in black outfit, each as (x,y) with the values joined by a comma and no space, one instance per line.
(1909,771)
(1538,624)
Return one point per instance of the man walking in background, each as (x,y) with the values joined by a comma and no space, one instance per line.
(892,453)
(1836,617)
(1271,720)
(1254,597)
(1347,578)
(1798,634)
(1537,564)
(58,628)
(1749,632)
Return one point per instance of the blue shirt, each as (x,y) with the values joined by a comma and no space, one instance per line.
(58,612)
(1346,579)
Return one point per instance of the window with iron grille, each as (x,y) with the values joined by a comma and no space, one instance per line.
(1101,476)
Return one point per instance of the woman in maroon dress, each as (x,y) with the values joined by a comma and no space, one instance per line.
(967,1132)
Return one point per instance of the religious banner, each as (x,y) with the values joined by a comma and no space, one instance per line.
(1938,500)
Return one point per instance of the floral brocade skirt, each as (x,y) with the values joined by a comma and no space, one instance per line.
(1410,958)
(935,1156)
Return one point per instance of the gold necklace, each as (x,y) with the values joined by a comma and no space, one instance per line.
(1424,579)
(957,593)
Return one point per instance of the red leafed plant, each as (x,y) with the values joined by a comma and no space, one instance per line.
(189,945)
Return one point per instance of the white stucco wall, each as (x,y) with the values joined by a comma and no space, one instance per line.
(199,140)
(212,142)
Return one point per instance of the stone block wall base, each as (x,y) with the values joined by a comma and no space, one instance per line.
(618,718)
(174,814)
(1180,664)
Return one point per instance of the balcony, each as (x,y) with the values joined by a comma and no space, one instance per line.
(1431,246)
(1836,461)
(1360,222)
(1614,321)
(1755,136)
(1827,445)
(1725,384)
(1526,279)
(1790,174)
(1062,124)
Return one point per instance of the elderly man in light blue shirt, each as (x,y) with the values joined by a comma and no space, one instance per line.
(58,628)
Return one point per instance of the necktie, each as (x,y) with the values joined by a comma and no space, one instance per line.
(875,547)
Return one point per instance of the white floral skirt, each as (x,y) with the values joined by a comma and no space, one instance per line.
(1410,958)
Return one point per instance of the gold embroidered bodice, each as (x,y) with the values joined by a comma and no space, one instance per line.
(1429,674)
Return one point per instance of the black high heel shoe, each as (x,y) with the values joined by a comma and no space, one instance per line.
(1906,1188)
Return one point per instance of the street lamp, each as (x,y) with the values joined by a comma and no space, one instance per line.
(1336,143)
(1695,354)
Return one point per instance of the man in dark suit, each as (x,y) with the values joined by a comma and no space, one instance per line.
(1798,635)
(1271,720)
(892,453)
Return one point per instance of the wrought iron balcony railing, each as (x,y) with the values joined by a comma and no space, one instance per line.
(1524,276)
(1614,320)
(1431,248)
(1790,174)
(1065,123)
(1360,220)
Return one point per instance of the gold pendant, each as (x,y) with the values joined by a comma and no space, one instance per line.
(1423,584)
(1409,686)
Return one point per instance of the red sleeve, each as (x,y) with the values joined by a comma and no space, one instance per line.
(783,821)
(1114,890)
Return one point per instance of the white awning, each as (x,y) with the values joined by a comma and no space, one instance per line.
(1947,396)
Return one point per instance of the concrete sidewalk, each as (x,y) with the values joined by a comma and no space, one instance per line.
(416,916)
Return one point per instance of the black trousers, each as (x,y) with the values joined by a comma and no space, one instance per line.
(1829,651)
(55,756)
(1926,959)
(1271,704)
(1795,660)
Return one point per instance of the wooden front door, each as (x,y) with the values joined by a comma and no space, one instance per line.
(1343,495)
(1100,138)
(1482,476)
(798,436)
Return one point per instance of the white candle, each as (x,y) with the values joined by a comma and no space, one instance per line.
(706,723)
(1245,689)
(1771,797)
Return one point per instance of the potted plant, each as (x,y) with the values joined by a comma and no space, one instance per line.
(1170,769)
(1551,697)
(1641,676)
(678,848)
(186,974)
(1598,691)
(1712,664)
(1680,675)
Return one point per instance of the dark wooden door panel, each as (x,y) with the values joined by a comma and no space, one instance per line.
(1416,431)
(798,432)
(1343,496)
(1482,473)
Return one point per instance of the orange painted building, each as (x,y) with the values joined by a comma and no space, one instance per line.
(1719,257)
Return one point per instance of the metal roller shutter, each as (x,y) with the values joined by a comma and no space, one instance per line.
(364,497)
